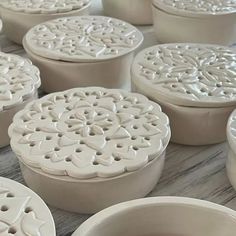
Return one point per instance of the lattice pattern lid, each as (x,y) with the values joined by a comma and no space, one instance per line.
(23,212)
(44,6)
(194,8)
(19,80)
(90,132)
(188,74)
(83,38)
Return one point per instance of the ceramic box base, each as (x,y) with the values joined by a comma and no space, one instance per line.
(90,196)
(16,24)
(180,29)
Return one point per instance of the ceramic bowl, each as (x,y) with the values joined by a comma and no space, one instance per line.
(23,212)
(133,11)
(20,16)
(83,51)
(194,21)
(19,81)
(87,141)
(194,84)
(164,216)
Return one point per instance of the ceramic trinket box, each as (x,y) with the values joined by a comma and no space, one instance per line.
(23,212)
(83,51)
(194,84)
(133,11)
(194,21)
(19,16)
(167,216)
(231,161)
(100,146)
(19,81)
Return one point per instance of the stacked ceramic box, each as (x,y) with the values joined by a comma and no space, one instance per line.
(80,143)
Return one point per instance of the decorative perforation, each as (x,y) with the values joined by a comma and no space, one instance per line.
(19,80)
(83,38)
(44,6)
(19,211)
(86,133)
(191,73)
(199,6)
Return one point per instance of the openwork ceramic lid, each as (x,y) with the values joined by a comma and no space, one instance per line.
(44,6)
(22,212)
(19,80)
(91,132)
(188,74)
(197,7)
(83,38)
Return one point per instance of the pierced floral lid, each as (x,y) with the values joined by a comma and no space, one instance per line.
(187,74)
(83,38)
(19,80)
(44,6)
(90,132)
(23,212)
(193,8)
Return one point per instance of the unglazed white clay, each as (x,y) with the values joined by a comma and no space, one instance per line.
(20,16)
(133,11)
(84,136)
(19,81)
(194,84)
(98,52)
(168,216)
(22,212)
(193,21)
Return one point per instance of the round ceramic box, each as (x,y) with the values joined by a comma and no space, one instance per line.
(194,84)
(133,11)
(23,212)
(83,51)
(167,216)
(212,21)
(231,161)
(100,146)
(20,16)
(19,81)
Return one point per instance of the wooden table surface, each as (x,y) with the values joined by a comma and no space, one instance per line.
(197,172)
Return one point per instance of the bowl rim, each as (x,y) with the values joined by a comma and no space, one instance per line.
(95,220)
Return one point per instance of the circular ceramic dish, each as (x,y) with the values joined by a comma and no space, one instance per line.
(23,212)
(86,141)
(83,51)
(19,81)
(20,16)
(172,216)
(133,11)
(194,84)
(231,161)
(212,21)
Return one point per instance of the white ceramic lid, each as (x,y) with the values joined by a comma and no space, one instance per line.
(193,8)
(23,213)
(83,38)
(44,6)
(19,80)
(90,132)
(194,75)
(231,131)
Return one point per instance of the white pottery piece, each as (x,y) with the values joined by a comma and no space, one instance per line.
(193,21)
(23,212)
(83,51)
(20,16)
(87,141)
(162,216)
(137,12)
(19,81)
(231,161)
(194,84)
